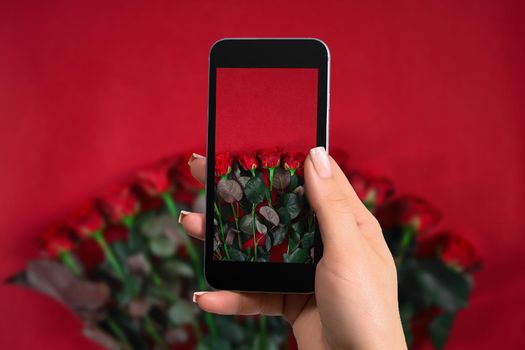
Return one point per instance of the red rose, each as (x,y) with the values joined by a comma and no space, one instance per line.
(373,191)
(156,180)
(248,161)
(223,164)
(86,221)
(119,204)
(408,211)
(261,239)
(452,249)
(270,157)
(56,240)
(293,161)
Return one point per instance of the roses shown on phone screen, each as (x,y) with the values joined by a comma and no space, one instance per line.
(261,212)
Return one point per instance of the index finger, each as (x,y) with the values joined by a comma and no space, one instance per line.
(197,165)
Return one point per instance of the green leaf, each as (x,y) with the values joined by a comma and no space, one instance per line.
(130,290)
(284,215)
(229,190)
(307,241)
(445,287)
(439,329)
(291,202)
(294,182)
(162,246)
(270,215)
(281,179)
(299,255)
(263,343)
(213,343)
(245,224)
(182,312)
(237,255)
(255,190)
(229,329)
(279,234)
(406,311)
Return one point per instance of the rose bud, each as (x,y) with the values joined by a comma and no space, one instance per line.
(86,221)
(270,157)
(57,240)
(293,161)
(156,180)
(410,212)
(248,161)
(223,164)
(120,204)
(261,239)
(452,249)
(373,191)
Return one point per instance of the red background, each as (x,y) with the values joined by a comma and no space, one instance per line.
(265,107)
(429,93)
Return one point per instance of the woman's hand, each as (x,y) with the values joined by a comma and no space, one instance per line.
(355,301)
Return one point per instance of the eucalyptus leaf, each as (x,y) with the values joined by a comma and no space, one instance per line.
(299,191)
(307,241)
(270,214)
(279,234)
(284,215)
(229,329)
(230,236)
(299,255)
(281,179)
(255,190)
(229,190)
(292,203)
(182,312)
(439,329)
(243,180)
(446,287)
(237,255)
(245,224)
(162,246)
(213,343)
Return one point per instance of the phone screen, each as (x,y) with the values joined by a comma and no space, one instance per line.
(266,121)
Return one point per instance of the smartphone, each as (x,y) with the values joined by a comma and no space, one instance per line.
(268,106)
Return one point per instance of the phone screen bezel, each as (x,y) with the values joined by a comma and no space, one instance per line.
(263,53)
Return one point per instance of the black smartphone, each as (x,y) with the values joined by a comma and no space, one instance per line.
(268,106)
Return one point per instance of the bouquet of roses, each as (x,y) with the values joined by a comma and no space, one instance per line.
(124,265)
(261,213)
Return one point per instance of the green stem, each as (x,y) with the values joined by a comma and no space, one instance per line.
(221,231)
(112,259)
(263,328)
(252,170)
(195,259)
(119,333)
(150,328)
(70,263)
(270,177)
(128,221)
(253,232)
(234,211)
(406,238)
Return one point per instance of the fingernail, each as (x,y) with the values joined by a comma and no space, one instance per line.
(196,295)
(182,214)
(195,156)
(321,162)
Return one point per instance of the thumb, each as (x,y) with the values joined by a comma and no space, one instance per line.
(338,209)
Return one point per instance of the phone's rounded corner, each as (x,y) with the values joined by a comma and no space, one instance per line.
(323,46)
(217,45)
(209,281)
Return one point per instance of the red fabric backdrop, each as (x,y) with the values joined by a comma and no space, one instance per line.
(429,93)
